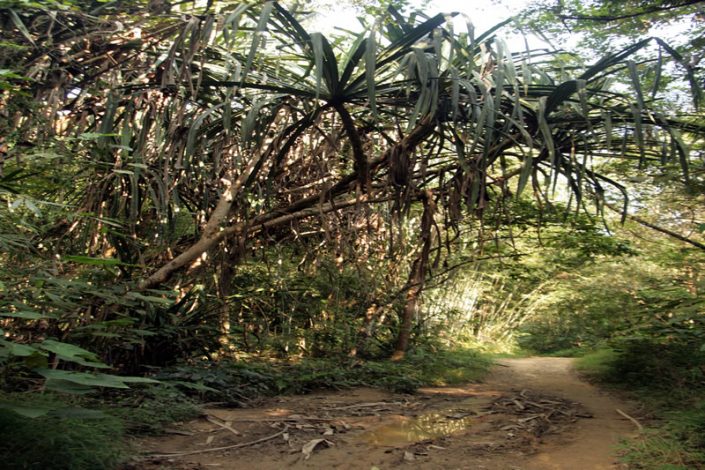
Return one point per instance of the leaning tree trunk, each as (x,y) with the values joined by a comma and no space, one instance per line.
(220,226)
(415,284)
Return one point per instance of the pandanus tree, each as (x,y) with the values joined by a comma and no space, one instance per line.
(239,124)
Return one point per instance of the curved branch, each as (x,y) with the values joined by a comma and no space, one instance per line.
(362,167)
(646,11)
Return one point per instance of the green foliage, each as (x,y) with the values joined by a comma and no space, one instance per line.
(150,410)
(284,307)
(674,444)
(596,364)
(663,379)
(73,439)
(240,381)
(523,287)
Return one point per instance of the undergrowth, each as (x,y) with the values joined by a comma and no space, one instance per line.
(674,436)
(150,410)
(89,432)
(244,380)
(70,438)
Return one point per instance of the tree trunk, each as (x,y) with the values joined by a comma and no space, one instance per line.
(417,277)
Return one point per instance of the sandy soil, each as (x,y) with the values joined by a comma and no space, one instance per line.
(530,414)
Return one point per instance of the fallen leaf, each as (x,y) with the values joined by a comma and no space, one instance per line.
(408,456)
(311,445)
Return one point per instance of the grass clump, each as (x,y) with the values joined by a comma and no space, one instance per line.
(664,380)
(597,364)
(676,441)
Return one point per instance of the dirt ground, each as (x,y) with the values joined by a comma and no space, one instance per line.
(530,414)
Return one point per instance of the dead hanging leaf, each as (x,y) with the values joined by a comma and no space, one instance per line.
(311,445)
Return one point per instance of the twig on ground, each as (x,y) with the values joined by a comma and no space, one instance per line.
(365,405)
(216,421)
(636,423)
(216,449)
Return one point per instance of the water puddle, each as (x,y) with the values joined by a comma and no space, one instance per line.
(403,430)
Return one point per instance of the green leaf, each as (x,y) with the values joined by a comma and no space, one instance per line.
(93,261)
(78,413)
(26,411)
(64,386)
(560,95)
(26,314)
(20,26)
(128,379)
(370,66)
(147,298)
(95,135)
(83,378)
(71,353)
(19,350)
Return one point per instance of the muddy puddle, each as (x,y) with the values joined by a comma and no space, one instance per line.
(399,430)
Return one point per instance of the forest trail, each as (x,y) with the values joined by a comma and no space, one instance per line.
(590,444)
(529,414)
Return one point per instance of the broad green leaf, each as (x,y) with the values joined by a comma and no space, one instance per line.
(72,353)
(138,380)
(26,411)
(65,386)
(20,350)
(83,378)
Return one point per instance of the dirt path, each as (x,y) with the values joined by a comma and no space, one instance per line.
(591,443)
(530,414)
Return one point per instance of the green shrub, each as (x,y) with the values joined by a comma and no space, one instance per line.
(149,411)
(656,364)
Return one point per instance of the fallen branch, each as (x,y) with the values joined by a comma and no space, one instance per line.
(225,426)
(636,423)
(365,405)
(217,449)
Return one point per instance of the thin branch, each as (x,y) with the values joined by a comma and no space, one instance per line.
(646,11)
(217,449)
(663,230)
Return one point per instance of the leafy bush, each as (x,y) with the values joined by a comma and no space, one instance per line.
(651,363)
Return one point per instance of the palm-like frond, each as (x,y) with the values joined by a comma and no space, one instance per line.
(243,118)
